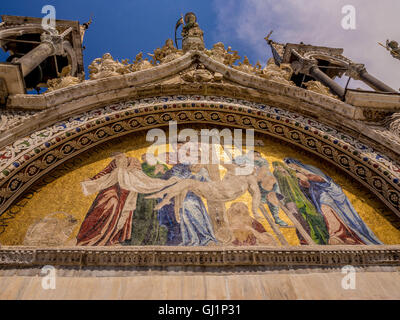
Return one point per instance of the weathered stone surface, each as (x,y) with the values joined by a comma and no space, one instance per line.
(177,285)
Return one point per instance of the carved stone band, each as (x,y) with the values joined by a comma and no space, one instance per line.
(149,256)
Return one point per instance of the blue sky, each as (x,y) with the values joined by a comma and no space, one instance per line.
(127,27)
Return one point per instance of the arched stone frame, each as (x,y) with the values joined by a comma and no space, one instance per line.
(50,147)
(334,59)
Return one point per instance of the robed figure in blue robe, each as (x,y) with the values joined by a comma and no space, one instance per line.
(325,193)
(195,227)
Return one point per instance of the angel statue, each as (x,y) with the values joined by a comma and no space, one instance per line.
(393,48)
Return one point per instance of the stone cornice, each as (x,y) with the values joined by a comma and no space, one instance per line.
(322,256)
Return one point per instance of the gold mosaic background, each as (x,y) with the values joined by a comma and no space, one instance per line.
(60,191)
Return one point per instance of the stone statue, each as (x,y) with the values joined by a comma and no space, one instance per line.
(166,54)
(393,48)
(220,54)
(106,66)
(217,52)
(192,35)
(198,73)
(281,74)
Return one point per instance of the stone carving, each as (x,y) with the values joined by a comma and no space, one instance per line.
(281,74)
(192,35)
(139,64)
(220,54)
(354,70)
(198,73)
(106,67)
(387,134)
(393,48)
(51,231)
(393,124)
(165,54)
(11,119)
(318,87)
(247,67)
(375,115)
(64,80)
(178,256)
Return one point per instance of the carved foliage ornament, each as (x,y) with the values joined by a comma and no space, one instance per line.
(281,74)
(318,87)
(64,80)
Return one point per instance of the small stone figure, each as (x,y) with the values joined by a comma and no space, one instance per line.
(393,48)
(198,73)
(106,66)
(281,74)
(220,54)
(166,54)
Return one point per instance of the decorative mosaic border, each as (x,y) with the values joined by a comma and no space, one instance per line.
(215,257)
(26,160)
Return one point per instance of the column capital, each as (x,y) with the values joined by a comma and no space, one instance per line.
(303,65)
(355,70)
(53,38)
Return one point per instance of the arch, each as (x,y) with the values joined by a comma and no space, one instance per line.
(334,59)
(26,160)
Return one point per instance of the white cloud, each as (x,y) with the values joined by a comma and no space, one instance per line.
(317,22)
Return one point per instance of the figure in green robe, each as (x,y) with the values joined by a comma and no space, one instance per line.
(146,228)
(295,200)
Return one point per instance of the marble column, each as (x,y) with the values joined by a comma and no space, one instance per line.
(358,72)
(35,57)
(316,73)
(374,82)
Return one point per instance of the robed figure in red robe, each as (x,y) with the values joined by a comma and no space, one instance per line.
(100,225)
(109,219)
